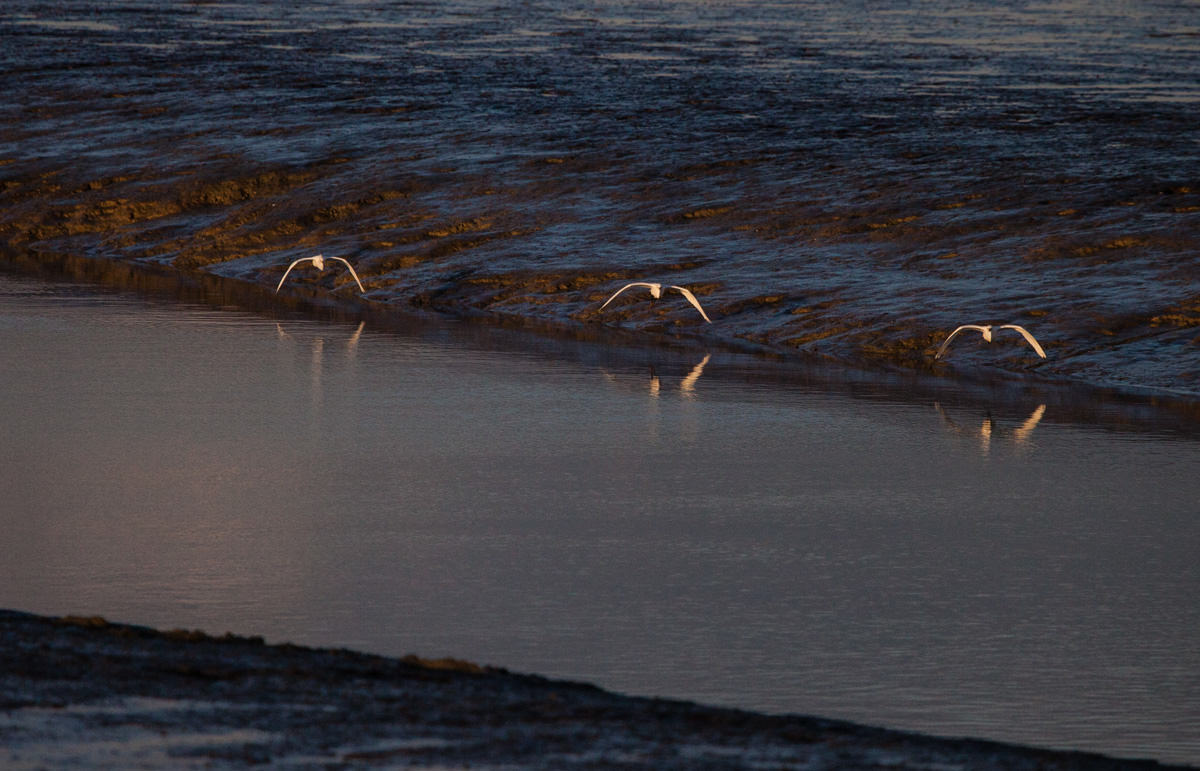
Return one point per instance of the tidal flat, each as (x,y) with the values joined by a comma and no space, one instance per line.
(795,509)
(81,692)
(835,184)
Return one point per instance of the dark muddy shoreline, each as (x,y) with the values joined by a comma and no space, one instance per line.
(829,183)
(84,692)
(1113,311)
(1118,409)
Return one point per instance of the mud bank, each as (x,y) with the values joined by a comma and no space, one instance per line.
(87,693)
(859,282)
(829,183)
(1119,408)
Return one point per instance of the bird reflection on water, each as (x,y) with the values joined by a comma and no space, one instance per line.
(689,428)
(1019,436)
(687,385)
(316,366)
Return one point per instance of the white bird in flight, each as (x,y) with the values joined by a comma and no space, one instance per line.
(656,291)
(986,330)
(319,262)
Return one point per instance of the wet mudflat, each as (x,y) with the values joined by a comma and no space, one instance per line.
(830,180)
(663,522)
(962,547)
(84,693)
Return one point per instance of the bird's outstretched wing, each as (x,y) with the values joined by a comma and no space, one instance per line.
(1028,338)
(622,289)
(982,330)
(289,270)
(346,262)
(692,299)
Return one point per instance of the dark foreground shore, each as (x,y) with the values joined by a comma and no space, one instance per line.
(86,693)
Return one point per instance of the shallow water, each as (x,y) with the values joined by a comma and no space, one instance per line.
(841,179)
(669,528)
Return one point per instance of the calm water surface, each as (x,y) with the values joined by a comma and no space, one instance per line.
(669,532)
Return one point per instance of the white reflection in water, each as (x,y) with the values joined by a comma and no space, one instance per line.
(769,548)
(1018,435)
(317,356)
(687,387)
(689,428)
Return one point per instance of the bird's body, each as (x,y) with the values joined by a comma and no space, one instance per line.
(986,331)
(318,262)
(656,291)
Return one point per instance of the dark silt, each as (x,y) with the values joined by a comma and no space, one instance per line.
(844,180)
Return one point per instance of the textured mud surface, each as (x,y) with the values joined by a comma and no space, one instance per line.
(85,693)
(830,181)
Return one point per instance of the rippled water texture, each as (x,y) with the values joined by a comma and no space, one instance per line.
(845,179)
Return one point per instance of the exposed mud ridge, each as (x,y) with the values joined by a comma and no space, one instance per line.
(907,183)
(239,226)
(407,252)
(333,299)
(182,697)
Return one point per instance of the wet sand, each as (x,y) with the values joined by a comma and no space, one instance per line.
(87,693)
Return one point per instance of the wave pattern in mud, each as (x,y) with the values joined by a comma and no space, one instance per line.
(844,181)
